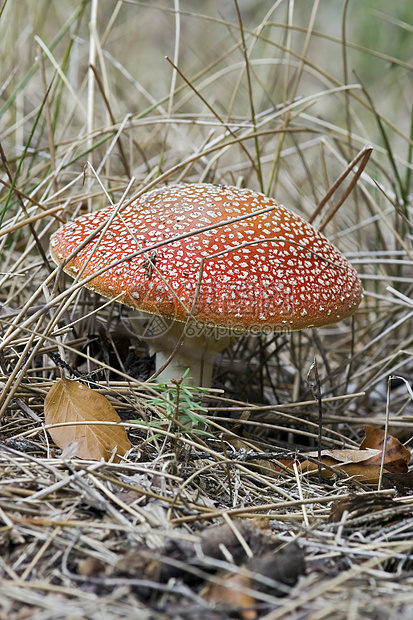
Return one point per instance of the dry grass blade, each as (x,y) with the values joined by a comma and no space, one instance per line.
(361,157)
(278,95)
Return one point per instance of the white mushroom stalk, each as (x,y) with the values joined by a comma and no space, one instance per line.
(180,346)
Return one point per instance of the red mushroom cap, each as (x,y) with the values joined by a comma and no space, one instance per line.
(269,271)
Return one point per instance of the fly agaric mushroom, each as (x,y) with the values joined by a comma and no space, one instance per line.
(205,260)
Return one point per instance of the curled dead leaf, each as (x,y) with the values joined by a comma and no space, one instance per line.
(71,401)
(363,463)
(396,457)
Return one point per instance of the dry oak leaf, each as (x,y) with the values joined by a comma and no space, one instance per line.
(396,457)
(364,463)
(71,401)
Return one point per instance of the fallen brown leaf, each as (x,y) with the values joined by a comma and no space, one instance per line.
(231,591)
(71,401)
(364,463)
(396,458)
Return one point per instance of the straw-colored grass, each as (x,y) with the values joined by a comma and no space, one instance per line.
(101,101)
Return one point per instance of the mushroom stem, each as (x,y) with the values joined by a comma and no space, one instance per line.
(178,346)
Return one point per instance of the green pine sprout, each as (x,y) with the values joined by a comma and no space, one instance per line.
(178,400)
